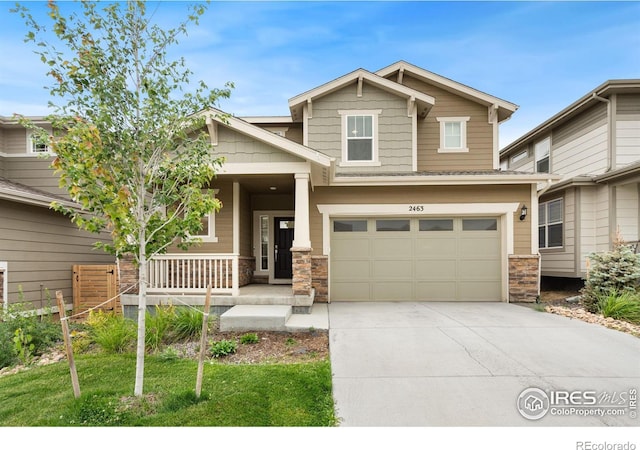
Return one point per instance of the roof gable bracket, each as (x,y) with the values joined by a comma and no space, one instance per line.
(309,109)
(400,75)
(493,113)
(212,127)
(359,90)
(411,106)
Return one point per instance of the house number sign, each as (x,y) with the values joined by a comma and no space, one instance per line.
(416,208)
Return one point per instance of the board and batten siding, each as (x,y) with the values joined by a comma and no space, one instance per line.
(561,261)
(239,148)
(479,131)
(579,147)
(394,132)
(422,195)
(41,246)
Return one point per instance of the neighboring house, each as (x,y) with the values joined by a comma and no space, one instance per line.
(594,145)
(378,186)
(38,246)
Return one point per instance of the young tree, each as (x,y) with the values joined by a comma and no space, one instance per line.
(130,151)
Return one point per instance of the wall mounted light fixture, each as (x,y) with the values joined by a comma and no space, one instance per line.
(523,212)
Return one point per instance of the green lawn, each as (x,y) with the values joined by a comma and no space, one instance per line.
(232,395)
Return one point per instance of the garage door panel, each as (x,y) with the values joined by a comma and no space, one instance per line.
(436,291)
(431,246)
(392,291)
(351,248)
(351,291)
(393,269)
(437,269)
(389,248)
(478,269)
(473,247)
(478,290)
(423,263)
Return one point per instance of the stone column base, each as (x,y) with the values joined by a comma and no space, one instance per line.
(301,270)
(524,278)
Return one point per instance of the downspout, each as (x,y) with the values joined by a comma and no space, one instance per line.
(610,160)
(540,194)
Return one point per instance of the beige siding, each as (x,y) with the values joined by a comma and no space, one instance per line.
(294,133)
(588,223)
(394,127)
(239,148)
(603,231)
(423,195)
(627,202)
(561,262)
(580,146)
(34,172)
(479,132)
(628,104)
(15,140)
(246,223)
(627,141)
(40,247)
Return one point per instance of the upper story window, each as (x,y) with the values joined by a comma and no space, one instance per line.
(359,138)
(519,156)
(542,150)
(453,134)
(551,224)
(35,145)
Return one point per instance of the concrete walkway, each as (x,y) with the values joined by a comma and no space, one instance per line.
(466,364)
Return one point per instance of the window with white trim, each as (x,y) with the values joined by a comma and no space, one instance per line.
(35,145)
(453,134)
(542,150)
(359,138)
(519,156)
(208,231)
(551,224)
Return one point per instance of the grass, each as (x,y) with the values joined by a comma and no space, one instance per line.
(232,395)
(623,306)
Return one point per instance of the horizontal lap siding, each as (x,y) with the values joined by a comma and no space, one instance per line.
(422,195)
(239,148)
(479,132)
(627,141)
(394,127)
(41,247)
(627,202)
(34,172)
(580,146)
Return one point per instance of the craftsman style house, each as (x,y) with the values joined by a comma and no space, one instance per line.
(379,186)
(594,145)
(38,246)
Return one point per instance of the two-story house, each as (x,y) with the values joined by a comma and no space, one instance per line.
(594,145)
(38,246)
(379,186)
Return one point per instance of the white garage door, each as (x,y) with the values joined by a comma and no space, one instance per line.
(423,259)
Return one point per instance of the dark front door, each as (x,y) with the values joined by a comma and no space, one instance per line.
(283,231)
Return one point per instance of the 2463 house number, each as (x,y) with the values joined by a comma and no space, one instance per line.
(416,208)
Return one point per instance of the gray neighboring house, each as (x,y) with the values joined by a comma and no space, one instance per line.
(38,246)
(594,144)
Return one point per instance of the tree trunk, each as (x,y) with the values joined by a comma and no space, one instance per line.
(142,310)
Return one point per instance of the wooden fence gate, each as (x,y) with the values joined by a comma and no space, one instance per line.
(94,284)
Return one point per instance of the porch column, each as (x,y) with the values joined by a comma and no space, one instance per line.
(235,267)
(301,235)
(301,250)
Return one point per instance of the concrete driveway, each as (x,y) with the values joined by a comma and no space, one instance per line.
(467,364)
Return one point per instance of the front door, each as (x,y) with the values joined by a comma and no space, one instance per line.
(283,241)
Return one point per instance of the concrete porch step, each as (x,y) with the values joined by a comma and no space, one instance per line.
(256,318)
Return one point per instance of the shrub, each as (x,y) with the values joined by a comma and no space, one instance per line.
(187,323)
(112,332)
(158,325)
(625,306)
(617,271)
(223,347)
(249,338)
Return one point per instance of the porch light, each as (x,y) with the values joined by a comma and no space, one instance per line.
(272,188)
(523,212)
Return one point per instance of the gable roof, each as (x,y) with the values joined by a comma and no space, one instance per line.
(424,102)
(260,134)
(21,193)
(586,101)
(505,108)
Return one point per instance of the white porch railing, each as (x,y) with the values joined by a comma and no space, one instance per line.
(190,273)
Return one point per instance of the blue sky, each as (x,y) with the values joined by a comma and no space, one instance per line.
(541,56)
